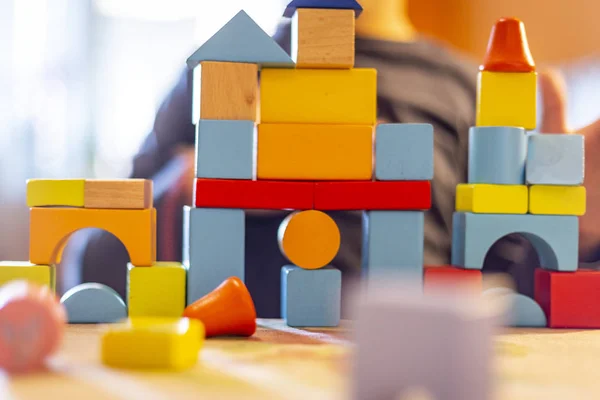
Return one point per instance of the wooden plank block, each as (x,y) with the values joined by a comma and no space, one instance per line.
(315,152)
(265,195)
(319,96)
(43,275)
(557,200)
(158,291)
(373,195)
(465,280)
(49,229)
(555,159)
(93,303)
(492,199)
(323,38)
(55,192)
(118,193)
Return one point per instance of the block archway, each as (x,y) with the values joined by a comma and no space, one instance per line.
(50,229)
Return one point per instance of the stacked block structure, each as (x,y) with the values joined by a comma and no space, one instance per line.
(312,148)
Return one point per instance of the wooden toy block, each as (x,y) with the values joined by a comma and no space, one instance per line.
(153,343)
(522,311)
(241,40)
(442,277)
(393,244)
(213,248)
(404,152)
(118,193)
(554,237)
(93,303)
(569,299)
(42,275)
(497,155)
(225,91)
(315,152)
(555,159)
(265,195)
(309,239)
(557,200)
(55,192)
(507,99)
(311,298)
(319,96)
(492,199)
(158,291)
(330,4)
(50,228)
(225,149)
(508,50)
(323,38)
(373,195)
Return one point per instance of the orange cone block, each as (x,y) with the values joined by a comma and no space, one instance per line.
(226,311)
(508,50)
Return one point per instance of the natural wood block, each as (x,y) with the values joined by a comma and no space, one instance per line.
(323,38)
(118,193)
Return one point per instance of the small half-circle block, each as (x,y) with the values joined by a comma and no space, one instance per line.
(523,311)
(93,303)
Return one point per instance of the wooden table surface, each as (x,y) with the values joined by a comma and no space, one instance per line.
(281,362)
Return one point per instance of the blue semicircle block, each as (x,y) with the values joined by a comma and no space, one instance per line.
(93,303)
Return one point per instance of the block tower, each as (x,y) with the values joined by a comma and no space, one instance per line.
(313,151)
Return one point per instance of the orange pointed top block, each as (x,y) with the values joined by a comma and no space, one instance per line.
(227,310)
(508,50)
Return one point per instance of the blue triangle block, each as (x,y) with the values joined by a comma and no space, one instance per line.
(331,4)
(242,40)
(93,303)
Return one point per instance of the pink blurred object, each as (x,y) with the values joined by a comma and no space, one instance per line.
(32,323)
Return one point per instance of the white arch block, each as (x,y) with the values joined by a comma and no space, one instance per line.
(93,303)
(555,237)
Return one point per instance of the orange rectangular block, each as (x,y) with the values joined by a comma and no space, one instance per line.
(50,228)
(453,277)
(315,152)
(118,193)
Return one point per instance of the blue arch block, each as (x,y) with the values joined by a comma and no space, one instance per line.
(523,311)
(555,237)
(93,303)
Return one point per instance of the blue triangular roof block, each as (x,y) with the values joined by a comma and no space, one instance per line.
(332,4)
(241,40)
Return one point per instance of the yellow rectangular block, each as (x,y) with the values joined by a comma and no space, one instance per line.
(153,343)
(507,99)
(557,200)
(43,275)
(323,38)
(55,192)
(315,152)
(491,199)
(320,96)
(156,291)
(118,193)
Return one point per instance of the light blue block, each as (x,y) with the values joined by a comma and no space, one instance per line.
(93,303)
(213,248)
(404,152)
(555,159)
(523,312)
(497,155)
(224,149)
(393,244)
(555,237)
(242,40)
(311,297)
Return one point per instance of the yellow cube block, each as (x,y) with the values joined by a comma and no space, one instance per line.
(43,275)
(321,96)
(491,199)
(507,99)
(153,343)
(156,291)
(55,192)
(557,200)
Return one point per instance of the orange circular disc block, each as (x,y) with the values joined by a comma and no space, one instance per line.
(508,50)
(309,239)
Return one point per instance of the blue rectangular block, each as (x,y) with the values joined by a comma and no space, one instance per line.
(555,159)
(555,237)
(213,248)
(404,152)
(311,297)
(393,244)
(497,155)
(225,149)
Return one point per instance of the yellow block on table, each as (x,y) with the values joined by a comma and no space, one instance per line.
(557,200)
(43,275)
(491,199)
(55,192)
(156,291)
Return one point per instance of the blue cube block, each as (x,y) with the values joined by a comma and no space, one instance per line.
(555,159)
(225,149)
(404,152)
(497,155)
(311,297)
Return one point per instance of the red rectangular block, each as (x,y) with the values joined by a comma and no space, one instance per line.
(454,277)
(373,195)
(267,195)
(569,299)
